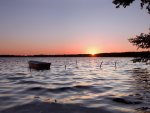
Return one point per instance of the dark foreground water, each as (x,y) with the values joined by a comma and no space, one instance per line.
(124,88)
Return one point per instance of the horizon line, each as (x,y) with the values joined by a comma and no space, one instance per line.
(129,53)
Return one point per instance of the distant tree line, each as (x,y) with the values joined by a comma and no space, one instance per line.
(117,54)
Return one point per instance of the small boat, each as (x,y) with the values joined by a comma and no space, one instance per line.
(39,65)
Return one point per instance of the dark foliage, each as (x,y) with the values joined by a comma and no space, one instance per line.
(143,40)
(125,3)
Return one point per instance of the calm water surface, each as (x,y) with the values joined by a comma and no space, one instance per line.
(125,88)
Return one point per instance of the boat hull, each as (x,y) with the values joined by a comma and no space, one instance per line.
(37,65)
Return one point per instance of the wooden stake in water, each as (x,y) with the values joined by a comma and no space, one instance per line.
(115,64)
(65,66)
(76,64)
(101,64)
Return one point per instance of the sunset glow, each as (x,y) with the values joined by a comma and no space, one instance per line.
(93,50)
(68,27)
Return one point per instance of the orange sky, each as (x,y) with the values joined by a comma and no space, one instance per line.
(69,27)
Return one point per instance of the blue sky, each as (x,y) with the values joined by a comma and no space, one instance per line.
(68,26)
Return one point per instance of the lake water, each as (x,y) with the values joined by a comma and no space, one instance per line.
(124,88)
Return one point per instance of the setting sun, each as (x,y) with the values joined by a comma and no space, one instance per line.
(93,51)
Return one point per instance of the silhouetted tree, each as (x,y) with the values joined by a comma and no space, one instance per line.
(126,3)
(143,40)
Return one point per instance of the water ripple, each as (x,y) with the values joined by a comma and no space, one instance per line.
(84,82)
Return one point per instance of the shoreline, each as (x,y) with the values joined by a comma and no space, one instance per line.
(113,54)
